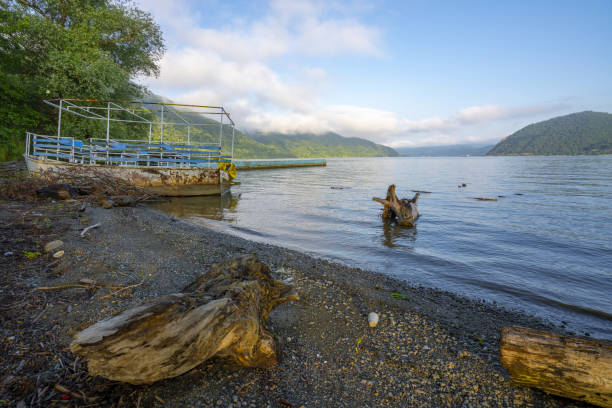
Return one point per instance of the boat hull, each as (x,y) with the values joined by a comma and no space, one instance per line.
(166,181)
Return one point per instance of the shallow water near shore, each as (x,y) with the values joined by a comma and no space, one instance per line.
(544,247)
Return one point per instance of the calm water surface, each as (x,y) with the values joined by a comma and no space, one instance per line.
(544,247)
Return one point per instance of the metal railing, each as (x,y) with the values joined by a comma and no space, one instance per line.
(124,152)
(152,149)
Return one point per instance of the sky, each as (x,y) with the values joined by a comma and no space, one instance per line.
(400,73)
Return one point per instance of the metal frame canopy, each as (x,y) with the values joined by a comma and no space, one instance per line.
(178,135)
(165,114)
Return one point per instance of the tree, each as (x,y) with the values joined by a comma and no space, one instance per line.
(69,49)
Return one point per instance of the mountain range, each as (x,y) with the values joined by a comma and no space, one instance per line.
(582,133)
(268,145)
(575,134)
(328,144)
(467,149)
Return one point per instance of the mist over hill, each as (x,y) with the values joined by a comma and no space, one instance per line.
(575,134)
(269,145)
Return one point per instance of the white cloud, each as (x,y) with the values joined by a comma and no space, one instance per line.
(230,79)
(234,66)
(478,114)
(389,128)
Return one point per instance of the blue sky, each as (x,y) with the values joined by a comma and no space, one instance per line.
(405,73)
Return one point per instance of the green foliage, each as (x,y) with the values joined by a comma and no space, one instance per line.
(306,145)
(576,134)
(68,49)
(30,255)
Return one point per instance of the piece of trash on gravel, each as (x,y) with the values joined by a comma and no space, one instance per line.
(373,319)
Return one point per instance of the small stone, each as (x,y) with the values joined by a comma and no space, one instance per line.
(54,245)
(124,201)
(107,204)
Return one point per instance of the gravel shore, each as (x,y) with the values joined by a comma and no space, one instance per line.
(430,348)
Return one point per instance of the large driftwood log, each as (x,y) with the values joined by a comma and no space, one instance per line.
(405,210)
(571,367)
(222,313)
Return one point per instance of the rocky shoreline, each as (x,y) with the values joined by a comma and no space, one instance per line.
(429,349)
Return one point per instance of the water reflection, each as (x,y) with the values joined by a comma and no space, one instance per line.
(396,235)
(220,208)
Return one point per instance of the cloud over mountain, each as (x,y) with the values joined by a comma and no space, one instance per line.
(243,65)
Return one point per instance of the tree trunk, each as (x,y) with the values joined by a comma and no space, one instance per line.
(222,313)
(571,367)
(404,210)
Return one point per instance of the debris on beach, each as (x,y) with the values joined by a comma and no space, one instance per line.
(373,319)
(89,228)
(72,184)
(567,366)
(220,313)
(485,199)
(53,245)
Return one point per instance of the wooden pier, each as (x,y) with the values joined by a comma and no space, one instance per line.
(257,164)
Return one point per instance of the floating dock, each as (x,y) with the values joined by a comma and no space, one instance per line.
(256,164)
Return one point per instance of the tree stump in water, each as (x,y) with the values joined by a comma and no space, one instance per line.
(222,313)
(405,210)
(571,367)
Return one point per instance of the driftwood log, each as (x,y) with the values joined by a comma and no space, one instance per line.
(222,313)
(404,210)
(571,367)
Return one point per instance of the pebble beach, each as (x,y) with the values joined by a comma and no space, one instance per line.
(429,348)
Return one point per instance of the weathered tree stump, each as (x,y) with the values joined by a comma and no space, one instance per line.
(571,367)
(405,210)
(222,313)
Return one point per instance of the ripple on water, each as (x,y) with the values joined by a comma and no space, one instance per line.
(545,246)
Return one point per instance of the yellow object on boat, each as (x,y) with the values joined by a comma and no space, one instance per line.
(229,168)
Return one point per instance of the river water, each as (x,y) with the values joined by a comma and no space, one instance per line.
(544,247)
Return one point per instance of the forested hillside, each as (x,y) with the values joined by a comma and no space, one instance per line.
(94,50)
(324,145)
(68,49)
(258,145)
(579,133)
